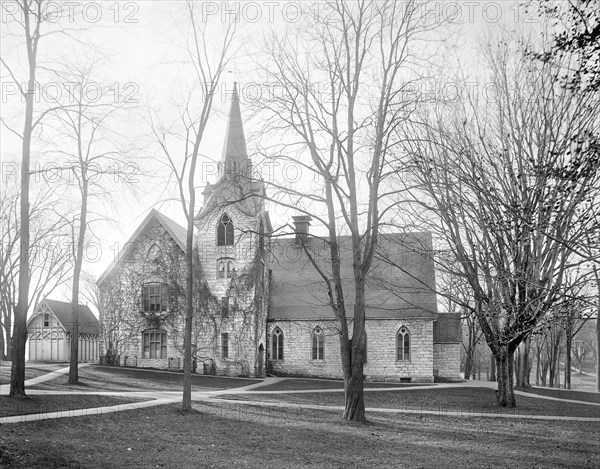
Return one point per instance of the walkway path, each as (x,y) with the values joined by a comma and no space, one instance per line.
(156,398)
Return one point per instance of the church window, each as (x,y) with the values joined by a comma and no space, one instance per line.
(277,344)
(154,344)
(225,268)
(153,252)
(224,345)
(155,297)
(225,231)
(318,344)
(403,345)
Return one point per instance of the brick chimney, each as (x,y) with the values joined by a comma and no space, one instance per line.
(301,224)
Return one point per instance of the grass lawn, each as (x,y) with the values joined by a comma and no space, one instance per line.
(163,437)
(464,400)
(564,394)
(108,378)
(53,403)
(308,384)
(32,370)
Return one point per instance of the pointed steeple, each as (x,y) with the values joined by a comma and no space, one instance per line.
(235,141)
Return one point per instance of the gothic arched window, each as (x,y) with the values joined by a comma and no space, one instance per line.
(277,344)
(225,231)
(153,252)
(403,345)
(225,267)
(318,344)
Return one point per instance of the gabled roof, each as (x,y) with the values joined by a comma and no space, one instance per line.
(400,285)
(175,230)
(88,323)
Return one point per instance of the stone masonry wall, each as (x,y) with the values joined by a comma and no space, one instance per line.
(121,316)
(381,350)
(246,321)
(446,361)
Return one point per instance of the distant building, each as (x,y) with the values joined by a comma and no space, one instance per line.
(49,332)
(259,304)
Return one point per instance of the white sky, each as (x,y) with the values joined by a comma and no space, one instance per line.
(142,39)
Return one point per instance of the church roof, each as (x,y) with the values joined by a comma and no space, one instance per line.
(235,141)
(88,323)
(175,230)
(401,283)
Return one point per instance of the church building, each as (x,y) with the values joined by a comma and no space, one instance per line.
(260,306)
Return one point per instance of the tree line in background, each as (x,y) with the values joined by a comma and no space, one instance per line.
(506,178)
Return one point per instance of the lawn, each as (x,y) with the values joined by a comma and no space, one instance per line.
(564,394)
(32,370)
(163,437)
(224,434)
(464,400)
(105,378)
(45,404)
(308,384)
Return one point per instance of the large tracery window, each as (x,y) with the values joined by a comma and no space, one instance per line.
(225,231)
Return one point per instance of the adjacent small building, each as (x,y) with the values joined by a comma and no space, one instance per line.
(49,332)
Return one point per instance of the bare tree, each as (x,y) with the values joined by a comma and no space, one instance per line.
(49,256)
(506,180)
(338,101)
(31,19)
(30,22)
(574,40)
(209,56)
(91,157)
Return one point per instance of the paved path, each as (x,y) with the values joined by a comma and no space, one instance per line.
(5,388)
(155,398)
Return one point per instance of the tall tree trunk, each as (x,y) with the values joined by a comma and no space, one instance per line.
(186,401)
(353,360)
(568,346)
(505,366)
(518,363)
(470,351)
(2,344)
(83,168)
(544,369)
(598,335)
(468,364)
(17,372)
(524,365)
(537,365)
(598,346)
(354,407)
(493,368)
(557,375)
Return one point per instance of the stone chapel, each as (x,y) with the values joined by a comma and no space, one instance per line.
(260,306)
